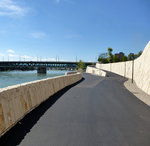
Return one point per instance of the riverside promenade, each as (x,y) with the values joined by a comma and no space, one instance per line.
(98,111)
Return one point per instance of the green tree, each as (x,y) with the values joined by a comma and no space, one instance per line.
(103,55)
(116,59)
(81,65)
(110,55)
(140,53)
(137,55)
(131,56)
(125,58)
(103,58)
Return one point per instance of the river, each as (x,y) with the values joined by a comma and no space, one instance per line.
(17,77)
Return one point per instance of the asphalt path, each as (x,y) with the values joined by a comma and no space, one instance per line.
(99,111)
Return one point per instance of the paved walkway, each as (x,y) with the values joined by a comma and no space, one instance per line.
(132,87)
(98,111)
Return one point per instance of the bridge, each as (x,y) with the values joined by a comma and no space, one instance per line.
(41,66)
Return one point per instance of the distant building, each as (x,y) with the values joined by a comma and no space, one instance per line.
(119,55)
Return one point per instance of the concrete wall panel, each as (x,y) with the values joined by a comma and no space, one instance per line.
(16,101)
(95,71)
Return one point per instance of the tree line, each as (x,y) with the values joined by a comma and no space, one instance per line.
(109,57)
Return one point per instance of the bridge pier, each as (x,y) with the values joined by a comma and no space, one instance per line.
(41,70)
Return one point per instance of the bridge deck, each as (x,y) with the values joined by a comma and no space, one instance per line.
(96,112)
(40,63)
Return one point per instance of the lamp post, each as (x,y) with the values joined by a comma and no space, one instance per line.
(132,68)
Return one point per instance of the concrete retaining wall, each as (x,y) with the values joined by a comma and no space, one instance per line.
(16,101)
(141,70)
(95,71)
(121,68)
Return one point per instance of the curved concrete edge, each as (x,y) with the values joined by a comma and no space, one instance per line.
(17,101)
(141,95)
(95,71)
(70,73)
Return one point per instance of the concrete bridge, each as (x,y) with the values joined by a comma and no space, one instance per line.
(41,66)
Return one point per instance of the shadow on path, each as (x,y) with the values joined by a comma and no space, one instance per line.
(16,134)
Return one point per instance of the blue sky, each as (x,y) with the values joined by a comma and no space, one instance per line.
(70,29)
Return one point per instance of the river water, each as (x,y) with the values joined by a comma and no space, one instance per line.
(17,77)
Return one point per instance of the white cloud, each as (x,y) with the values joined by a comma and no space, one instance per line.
(33,58)
(37,35)
(10,51)
(26,57)
(49,59)
(10,8)
(12,55)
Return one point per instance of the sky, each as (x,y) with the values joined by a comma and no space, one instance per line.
(69,30)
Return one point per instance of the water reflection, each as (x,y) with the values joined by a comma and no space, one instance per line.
(17,77)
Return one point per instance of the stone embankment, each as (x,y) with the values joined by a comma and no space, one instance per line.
(18,100)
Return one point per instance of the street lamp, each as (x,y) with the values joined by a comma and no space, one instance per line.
(132,67)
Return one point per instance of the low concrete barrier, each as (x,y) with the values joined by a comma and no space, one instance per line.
(121,68)
(139,69)
(95,71)
(18,100)
(69,73)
